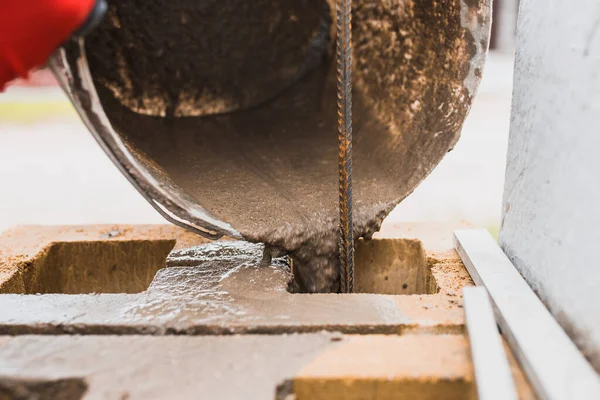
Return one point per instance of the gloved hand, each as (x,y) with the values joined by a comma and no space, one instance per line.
(31,30)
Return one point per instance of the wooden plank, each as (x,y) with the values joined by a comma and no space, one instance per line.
(493,377)
(552,362)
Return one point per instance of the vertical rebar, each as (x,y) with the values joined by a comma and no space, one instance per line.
(344,102)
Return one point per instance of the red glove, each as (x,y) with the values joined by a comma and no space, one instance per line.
(31,30)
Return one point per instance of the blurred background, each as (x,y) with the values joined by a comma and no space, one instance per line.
(53,172)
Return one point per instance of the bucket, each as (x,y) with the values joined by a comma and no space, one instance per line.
(223,113)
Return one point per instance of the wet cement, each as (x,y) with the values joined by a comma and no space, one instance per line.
(225,288)
(248,366)
(237,105)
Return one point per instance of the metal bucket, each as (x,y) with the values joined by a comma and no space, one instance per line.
(223,113)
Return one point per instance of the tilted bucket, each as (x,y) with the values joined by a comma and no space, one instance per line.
(223,113)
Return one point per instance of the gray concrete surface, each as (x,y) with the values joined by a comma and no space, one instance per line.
(321,366)
(52,171)
(551,219)
(180,367)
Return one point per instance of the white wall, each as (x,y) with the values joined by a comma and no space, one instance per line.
(551,216)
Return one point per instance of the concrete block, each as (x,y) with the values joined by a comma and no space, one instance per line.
(310,366)
(392,266)
(309,347)
(86,259)
(222,287)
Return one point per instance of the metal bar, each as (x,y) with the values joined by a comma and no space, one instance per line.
(493,377)
(344,102)
(551,361)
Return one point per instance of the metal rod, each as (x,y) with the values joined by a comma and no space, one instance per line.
(552,362)
(344,102)
(493,377)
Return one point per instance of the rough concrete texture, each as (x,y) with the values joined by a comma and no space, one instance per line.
(223,287)
(392,266)
(317,366)
(551,219)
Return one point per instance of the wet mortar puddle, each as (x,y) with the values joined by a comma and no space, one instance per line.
(219,288)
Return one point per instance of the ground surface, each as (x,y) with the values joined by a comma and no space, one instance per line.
(52,171)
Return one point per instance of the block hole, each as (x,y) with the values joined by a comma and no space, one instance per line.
(382,266)
(92,267)
(393,266)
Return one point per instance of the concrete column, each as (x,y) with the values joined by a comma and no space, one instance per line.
(551,218)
